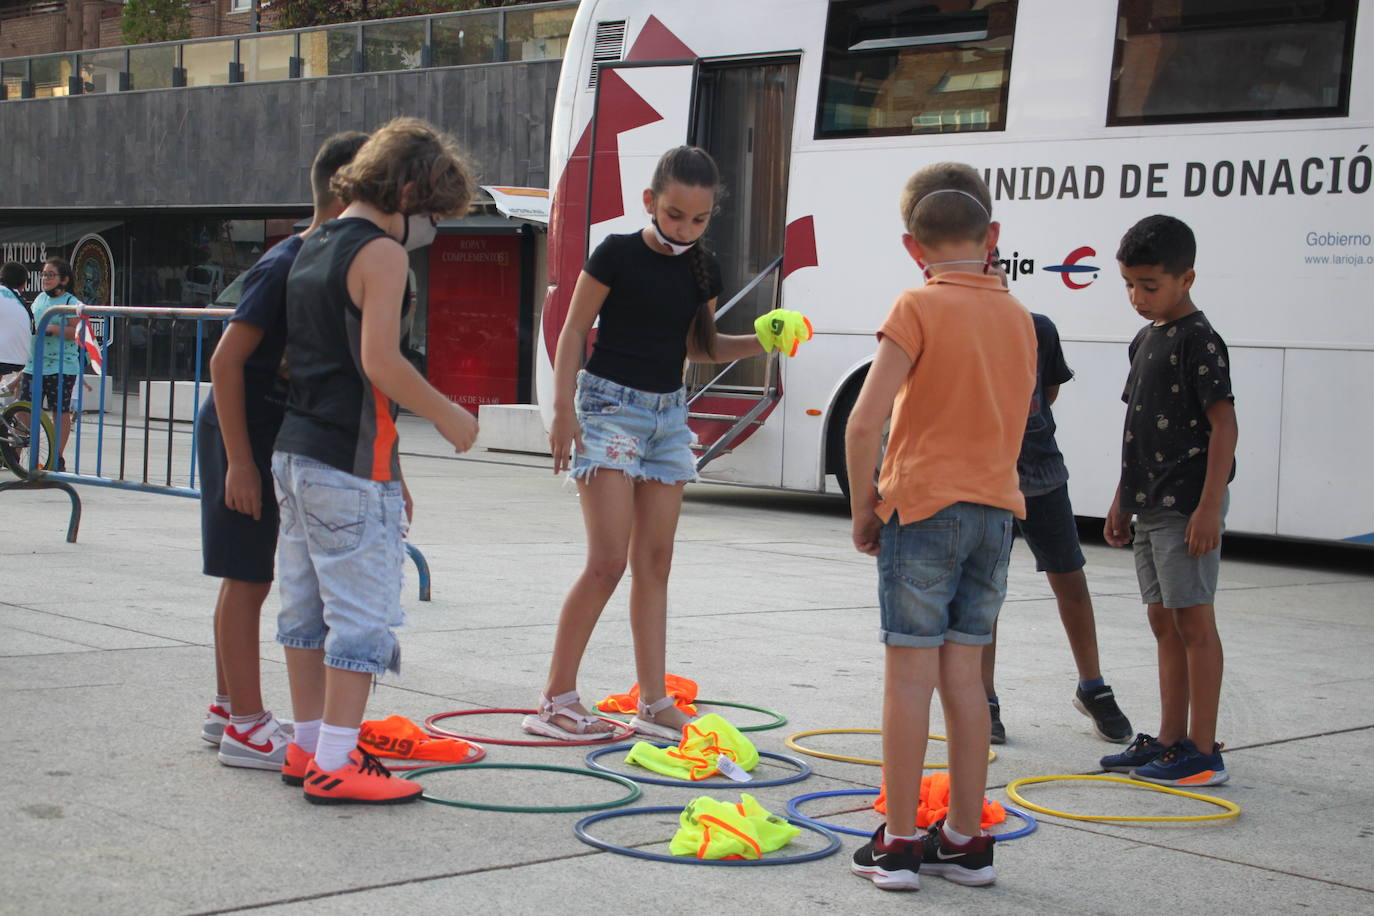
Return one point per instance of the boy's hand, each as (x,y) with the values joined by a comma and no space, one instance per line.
(1203,534)
(564,433)
(867,526)
(243,489)
(410,503)
(782,330)
(460,428)
(1117,530)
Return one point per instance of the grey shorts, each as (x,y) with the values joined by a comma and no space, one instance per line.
(1167,573)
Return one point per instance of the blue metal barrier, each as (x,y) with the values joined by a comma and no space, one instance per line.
(182,357)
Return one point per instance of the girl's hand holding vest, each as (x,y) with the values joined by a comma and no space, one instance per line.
(782,330)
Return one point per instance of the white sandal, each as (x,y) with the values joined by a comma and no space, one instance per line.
(542,723)
(644,723)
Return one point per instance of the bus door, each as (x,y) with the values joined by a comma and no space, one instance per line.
(743,118)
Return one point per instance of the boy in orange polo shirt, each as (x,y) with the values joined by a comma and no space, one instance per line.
(955,370)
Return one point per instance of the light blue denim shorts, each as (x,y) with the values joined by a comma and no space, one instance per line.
(340,557)
(943,578)
(642,433)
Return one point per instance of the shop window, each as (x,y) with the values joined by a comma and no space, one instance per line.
(1179,61)
(537,34)
(100,72)
(13,73)
(151,68)
(50,75)
(894,67)
(266,58)
(328,52)
(461,40)
(393,46)
(207,63)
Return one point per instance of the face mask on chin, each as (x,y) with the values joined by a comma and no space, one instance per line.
(420,231)
(674,247)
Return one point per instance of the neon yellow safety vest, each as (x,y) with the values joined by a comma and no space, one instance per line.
(704,741)
(713,829)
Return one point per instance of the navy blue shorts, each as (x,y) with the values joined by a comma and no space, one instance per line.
(1051,532)
(234,545)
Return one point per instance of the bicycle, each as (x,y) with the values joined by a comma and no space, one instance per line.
(16,441)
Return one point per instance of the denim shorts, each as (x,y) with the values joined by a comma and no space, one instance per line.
(1167,573)
(1051,532)
(340,557)
(943,578)
(642,433)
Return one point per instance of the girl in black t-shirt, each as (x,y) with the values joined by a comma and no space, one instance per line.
(655,292)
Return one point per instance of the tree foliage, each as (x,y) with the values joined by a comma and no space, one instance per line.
(155,20)
(295,14)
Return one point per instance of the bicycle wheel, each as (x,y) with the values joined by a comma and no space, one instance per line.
(16,442)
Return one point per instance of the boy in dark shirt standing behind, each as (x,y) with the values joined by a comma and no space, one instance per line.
(1178,455)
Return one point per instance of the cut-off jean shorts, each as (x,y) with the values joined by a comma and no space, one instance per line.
(340,557)
(642,433)
(942,579)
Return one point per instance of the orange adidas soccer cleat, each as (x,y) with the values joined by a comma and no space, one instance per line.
(362,781)
(296,763)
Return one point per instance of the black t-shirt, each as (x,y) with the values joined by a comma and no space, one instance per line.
(262,303)
(641,341)
(1178,370)
(334,413)
(1041,464)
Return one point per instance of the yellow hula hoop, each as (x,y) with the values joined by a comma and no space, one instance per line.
(791,741)
(1232,809)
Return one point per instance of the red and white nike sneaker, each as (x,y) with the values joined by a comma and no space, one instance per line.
(262,747)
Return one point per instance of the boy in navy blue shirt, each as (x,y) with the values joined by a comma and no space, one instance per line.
(1052,535)
(234,436)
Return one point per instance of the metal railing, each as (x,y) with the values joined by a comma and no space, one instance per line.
(139,423)
(534,31)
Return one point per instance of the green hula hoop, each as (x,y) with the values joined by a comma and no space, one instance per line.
(634,793)
(779,720)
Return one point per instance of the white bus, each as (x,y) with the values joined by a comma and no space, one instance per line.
(1252,120)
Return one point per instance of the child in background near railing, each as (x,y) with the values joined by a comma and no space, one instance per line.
(238,508)
(16,321)
(655,292)
(344,505)
(62,373)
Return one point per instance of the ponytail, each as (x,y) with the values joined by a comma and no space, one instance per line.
(693,167)
(703,329)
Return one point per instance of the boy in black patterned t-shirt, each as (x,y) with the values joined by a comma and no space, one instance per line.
(1178,455)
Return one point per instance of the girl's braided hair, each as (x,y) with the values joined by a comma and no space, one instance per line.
(693,167)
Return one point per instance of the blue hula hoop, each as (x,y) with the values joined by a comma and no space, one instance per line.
(803,771)
(794,805)
(580,831)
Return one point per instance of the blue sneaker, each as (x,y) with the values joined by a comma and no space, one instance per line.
(1138,753)
(1184,765)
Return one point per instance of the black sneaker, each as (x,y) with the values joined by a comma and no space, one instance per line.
(999,732)
(970,864)
(893,867)
(1138,753)
(1108,720)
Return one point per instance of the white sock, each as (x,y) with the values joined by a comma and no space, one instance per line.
(335,744)
(308,735)
(223,703)
(893,838)
(245,724)
(955,837)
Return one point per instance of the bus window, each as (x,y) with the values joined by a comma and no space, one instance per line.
(914,66)
(1180,61)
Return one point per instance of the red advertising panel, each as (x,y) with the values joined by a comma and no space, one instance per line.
(474,318)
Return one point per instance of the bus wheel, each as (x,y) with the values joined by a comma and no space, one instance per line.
(834,435)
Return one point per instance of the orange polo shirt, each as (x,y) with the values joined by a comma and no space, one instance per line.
(958,420)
